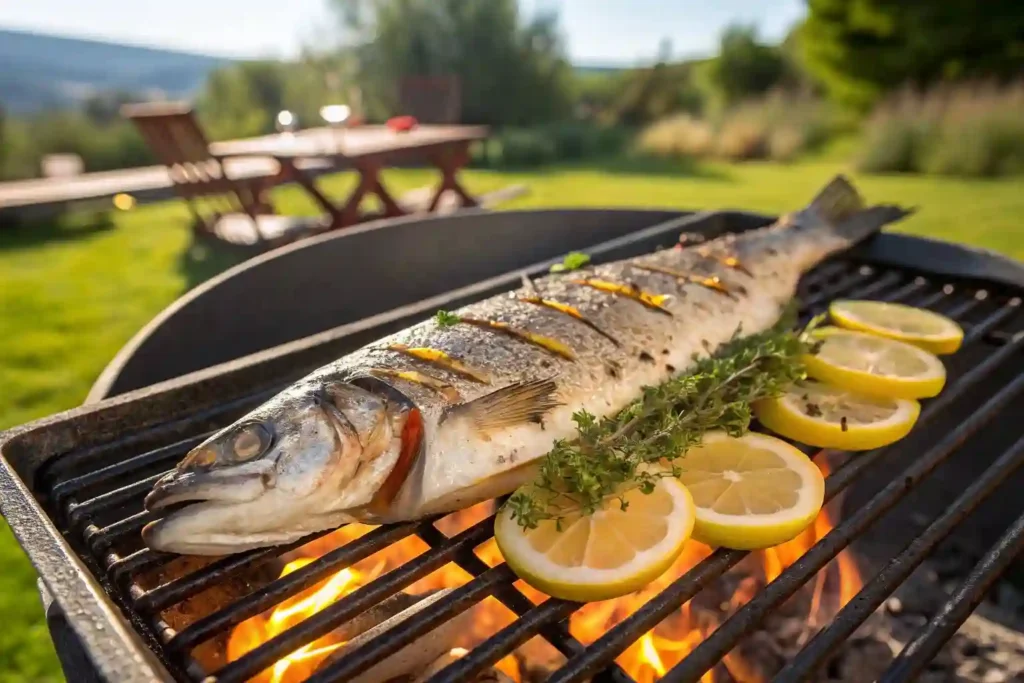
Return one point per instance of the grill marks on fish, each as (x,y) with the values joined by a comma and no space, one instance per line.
(630,291)
(443,388)
(712,282)
(442,360)
(570,311)
(547,343)
(561,328)
(727,260)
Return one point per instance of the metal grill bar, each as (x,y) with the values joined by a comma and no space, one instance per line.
(748,617)
(172,452)
(186,586)
(460,600)
(519,632)
(115,498)
(120,568)
(623,634)
(101,538)
(335,615)
(827,292)
(556,633)
(899,568)
(955,611)
(277,591)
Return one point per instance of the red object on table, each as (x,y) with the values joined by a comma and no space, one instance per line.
(401,124)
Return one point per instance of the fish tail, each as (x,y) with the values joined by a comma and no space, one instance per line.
(841,208)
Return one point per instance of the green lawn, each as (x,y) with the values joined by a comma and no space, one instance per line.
(73,293)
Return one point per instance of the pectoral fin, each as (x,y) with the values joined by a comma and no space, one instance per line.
(515,404)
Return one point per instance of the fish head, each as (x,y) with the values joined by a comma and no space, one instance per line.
(297,464)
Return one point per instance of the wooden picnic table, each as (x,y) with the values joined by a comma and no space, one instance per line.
(367,150)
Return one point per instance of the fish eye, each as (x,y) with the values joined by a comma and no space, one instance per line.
(251,441)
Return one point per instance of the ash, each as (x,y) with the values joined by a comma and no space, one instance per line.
(988,648)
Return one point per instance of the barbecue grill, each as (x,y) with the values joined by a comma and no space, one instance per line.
(72,488)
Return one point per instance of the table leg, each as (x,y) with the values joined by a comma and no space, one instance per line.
(391,207)
(369,183)
(449,161)
(289,170)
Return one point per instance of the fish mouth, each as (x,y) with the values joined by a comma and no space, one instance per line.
(211,527)
(207,513)
(197,487)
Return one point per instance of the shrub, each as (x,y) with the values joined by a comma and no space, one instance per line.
(102,147)
(892,143)
(526,148)
(539,145)
(677,136)
(744,135)
(611,140)
(780,127)
(966,130)
(787,142)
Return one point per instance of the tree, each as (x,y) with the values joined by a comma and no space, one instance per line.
(242,99)
(860,48)
(104,108)
(745,67)
(511,71)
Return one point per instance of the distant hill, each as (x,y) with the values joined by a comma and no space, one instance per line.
(42,71)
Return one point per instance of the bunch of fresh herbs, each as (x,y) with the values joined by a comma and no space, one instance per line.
(612,455)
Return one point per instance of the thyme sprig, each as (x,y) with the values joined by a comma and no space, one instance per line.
(574,260)
(611,455)
(444,318)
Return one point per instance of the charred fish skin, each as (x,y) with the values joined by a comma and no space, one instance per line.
(483,397)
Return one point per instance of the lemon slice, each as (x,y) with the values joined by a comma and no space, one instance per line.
(604,555)
(828,417)
(874,365)
(930,331)
(751,492)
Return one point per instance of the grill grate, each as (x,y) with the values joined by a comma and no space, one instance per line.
(95,496)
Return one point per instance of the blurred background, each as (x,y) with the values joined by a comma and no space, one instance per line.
(748,104)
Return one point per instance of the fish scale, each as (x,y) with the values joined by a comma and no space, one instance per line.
(608,331)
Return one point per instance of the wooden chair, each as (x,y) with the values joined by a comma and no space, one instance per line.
(232,209)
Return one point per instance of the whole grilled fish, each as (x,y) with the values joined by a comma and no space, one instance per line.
(450,413)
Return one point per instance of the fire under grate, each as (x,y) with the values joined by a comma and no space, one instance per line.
(94,495)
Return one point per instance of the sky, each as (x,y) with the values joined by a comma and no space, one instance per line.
(597,31)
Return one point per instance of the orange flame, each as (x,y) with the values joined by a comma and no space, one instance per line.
(647,660)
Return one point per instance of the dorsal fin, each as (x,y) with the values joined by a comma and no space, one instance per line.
(515,404)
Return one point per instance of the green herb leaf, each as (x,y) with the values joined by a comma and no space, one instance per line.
(446,319)
(572,261)
(610,455)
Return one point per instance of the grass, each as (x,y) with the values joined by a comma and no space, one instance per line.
(72,293)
